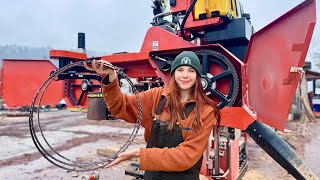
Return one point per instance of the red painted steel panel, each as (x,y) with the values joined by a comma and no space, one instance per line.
(234,160)
(236,117)
(127,57)
(138,64)
(158,39)
(268,85)
(67,54)
(1,82)
(181,5)
(135,64)
(201,24)
(22,78)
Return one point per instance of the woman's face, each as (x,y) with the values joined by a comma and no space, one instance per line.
(185,77)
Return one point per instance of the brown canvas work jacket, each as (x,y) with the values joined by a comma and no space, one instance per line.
(179,158)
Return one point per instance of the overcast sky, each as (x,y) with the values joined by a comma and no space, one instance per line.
(110,25)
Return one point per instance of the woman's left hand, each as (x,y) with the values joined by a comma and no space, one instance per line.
(133,153)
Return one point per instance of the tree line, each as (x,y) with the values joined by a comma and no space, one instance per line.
(27,52)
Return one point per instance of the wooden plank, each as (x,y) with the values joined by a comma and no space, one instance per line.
(108,151)
(305,100)
(309,112)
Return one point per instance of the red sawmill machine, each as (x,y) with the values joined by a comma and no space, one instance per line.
(252,76)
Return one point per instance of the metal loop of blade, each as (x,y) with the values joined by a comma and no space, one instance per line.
(51,154)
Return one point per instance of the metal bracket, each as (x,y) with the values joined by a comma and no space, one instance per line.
(296,69)
(301,72)
(165,63)
(162,59)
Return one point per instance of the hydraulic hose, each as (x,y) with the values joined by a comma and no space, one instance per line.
(195,34)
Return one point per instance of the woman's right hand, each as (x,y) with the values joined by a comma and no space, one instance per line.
(102,67)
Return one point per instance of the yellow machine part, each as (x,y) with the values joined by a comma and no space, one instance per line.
(204,9)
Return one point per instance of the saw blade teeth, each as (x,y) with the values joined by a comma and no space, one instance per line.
(226,64)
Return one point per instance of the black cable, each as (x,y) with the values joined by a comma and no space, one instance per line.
(195,34)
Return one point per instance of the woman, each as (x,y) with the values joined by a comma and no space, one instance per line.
(177,120)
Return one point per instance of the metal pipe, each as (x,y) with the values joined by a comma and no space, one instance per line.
(81,42)
(207,154)
(162,59)
(226,135)
(216,151)
(160,15)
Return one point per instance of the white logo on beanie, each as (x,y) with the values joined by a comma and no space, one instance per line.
(186,60)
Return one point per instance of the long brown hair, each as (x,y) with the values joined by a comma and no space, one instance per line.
(200,98)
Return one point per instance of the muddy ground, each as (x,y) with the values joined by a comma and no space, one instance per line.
(78,139)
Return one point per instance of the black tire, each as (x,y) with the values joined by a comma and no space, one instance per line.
(279,150)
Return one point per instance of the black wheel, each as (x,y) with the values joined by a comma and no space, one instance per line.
(78,90)
(218,77)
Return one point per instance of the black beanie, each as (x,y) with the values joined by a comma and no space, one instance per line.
(186,58)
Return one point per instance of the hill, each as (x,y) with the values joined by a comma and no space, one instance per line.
(27,52)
